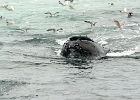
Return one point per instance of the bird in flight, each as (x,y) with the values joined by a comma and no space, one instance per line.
(117,23)
(54,30)
(92,24)
(10,9)
(23,30)
(51,13)
(62,3)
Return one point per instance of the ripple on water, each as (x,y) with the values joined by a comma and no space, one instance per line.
(7,85)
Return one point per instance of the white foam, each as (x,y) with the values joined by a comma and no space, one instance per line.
(103,42)
(124,53)
(58,52)
(60,41)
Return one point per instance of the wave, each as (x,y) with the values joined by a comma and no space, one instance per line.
(126,53)
(41,40)
(7,85)
(1,45)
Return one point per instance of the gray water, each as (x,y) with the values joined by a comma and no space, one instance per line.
(31,67)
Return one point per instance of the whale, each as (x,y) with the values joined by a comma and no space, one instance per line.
(83,47)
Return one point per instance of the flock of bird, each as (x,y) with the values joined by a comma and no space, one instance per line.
(9,9)
(11,22)
(130,14)
(66,3)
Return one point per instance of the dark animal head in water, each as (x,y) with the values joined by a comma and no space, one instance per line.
(82,47)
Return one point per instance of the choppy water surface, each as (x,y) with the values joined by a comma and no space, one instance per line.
(31,67)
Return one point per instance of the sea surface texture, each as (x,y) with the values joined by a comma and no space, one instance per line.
(31,67)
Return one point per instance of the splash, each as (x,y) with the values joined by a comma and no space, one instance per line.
(60,41)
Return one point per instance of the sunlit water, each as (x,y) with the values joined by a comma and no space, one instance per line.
(31,67)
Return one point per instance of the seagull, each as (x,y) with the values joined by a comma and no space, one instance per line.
(92,24)
(10,22)
(68,0)
(83,11)
(111,4)
(124,10)
(10,9)
(62,3)
(54,30)
(130,14)
(51,13)
(23,30)
(117,23)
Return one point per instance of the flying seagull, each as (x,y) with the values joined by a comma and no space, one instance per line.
(23,30)
(10,9)
(54,30)
(62,3)
(51,13)
(117,23)
(92,24)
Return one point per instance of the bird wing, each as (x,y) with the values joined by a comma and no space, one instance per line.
(62,3)
(122,25)
(70,6)
(59,29)
(52,29)
(89,22)
(70,0)
(94,23)
(48,13)
(56,13)
(116,22)
(130,14)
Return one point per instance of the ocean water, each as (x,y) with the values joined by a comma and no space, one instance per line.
(31,67)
